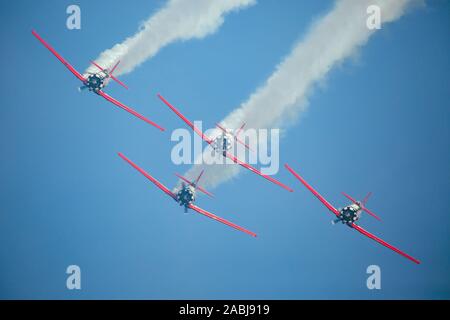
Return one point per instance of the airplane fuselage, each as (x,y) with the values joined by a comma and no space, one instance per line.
(223,143)
(185,196)
(95,82)
(349,214)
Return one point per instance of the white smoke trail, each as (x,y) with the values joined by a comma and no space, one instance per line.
(333,38)
(178,20)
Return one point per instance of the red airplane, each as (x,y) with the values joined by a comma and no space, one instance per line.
(96,82)
(222,147)
(186,196)
(350,214)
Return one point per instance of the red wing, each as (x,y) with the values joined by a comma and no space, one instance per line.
(384,243)
(149,177)
(322,199)
(189,123)
(128,109)
(60,58)
(249,167)
(214,217)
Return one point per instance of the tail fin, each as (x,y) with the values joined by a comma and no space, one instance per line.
(98,66)
(235,135)
(110,73)
(362,204)
(366,198)
(240,129)
(198,178)
(194,184)
(114,68)
(349,198)
(371,213)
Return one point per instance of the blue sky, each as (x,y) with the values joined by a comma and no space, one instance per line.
(380,124)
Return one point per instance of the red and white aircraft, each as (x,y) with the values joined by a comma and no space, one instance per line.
(222,147)
(96,82)
(186,196)
(350,214)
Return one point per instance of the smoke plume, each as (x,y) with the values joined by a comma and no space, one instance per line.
(330,40)
(178,20)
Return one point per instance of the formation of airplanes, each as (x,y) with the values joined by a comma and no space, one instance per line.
(185,195)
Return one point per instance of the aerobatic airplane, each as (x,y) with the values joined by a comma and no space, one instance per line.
(185,196)
(350,214)
(95,82)
(222,147)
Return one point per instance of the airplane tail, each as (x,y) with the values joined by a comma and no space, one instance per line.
(109,73)
(195,183)
(114,68)
(362,204)
(235,135)
(366,198)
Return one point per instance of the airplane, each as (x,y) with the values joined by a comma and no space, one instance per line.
(222,147)
(350,214)
(185,196)
(96,82)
